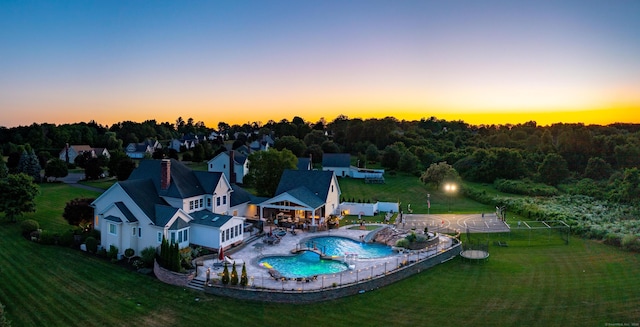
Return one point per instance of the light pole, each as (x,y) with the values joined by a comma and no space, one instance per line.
(450,188)
(428,204)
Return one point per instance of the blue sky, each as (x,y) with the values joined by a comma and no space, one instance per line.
(239,61)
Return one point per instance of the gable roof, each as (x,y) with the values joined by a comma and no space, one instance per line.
(185,183)
(240,195)
(306,196)
(125,211)
(144,194)
(336,160)
(304,163)
(316,181)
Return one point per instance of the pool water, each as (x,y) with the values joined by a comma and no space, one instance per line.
(304,264)
(307,263)
(341,246)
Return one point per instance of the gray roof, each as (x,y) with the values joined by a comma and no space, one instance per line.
(145,195)
(126,212)
(317,182)
(336,160)
(208,218)
(304,163)
(179,224)
(113,218)
(163,213)
(239,158)
(239,195)
(306,196)
(185,183)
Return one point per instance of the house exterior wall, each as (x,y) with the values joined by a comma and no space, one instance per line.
(235,229)
(339,171)
(103,207)
(220,163)
(332,205)
(205,236)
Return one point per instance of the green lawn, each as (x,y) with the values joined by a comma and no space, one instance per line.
(580,284)
(103,183)
(407,189)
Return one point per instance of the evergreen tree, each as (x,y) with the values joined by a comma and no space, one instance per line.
(244,280)
(29,164)
(225,274)
(4,170)
(234,275)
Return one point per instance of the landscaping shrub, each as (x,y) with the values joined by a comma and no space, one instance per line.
(631,242)
(225,274)
(92,244)
(402,243)
(113,253)
(94,233)
(128,253)
(244,280)
(234,276)
(4,322)
(147,256)
(66,239)
(612,239)
(48,237)
(29,226)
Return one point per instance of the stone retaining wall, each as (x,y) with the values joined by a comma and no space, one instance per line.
(331,293)
(171,277)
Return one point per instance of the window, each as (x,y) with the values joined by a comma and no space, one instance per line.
(222,237)
(201,200)
(331,188)
(139,232)
(218,201)
(112,229)
(159,237)
(210,166)
(190,205)
(186,235)
(227,234)
(180,237)
(133,231)
(173,237)
(209,202)
(224,199)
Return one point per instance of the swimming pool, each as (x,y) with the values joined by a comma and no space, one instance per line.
(307,263)
(304,264)
(341,246)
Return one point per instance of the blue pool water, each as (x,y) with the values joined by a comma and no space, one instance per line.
(306,264)
(341,246)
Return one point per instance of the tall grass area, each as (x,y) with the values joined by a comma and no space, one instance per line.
(581,284)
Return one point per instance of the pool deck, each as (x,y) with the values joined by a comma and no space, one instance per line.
(362,269)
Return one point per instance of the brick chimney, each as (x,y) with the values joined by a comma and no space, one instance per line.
(232,171)
(165,174)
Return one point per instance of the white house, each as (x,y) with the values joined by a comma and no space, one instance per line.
(142,150)
(72,151)
(233,164)
(164,198)
(309,195)
(340,163)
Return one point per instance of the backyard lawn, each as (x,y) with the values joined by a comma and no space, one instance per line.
(584,283)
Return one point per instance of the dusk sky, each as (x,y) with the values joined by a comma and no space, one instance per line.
(484,62)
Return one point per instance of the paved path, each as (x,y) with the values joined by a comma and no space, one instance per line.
(73,178)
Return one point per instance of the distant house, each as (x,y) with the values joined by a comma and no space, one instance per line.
(142,150)
(72,151)
(102,152)
(263,144)
(310,195)
(233,164)
(340,163)
(165,199)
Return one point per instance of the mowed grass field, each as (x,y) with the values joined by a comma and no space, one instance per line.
(580,284)
(407,189)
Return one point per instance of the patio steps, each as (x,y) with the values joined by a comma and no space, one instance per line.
(196,284)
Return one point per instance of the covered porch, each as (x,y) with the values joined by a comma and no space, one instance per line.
(289,212)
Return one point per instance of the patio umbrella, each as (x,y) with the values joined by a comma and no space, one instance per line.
(221,254)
